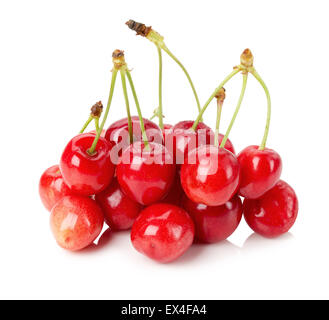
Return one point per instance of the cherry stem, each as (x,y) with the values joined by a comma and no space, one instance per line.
(91,151)
(219,113)
(160,89)
(164,47)
(124,87)
(268,118)
(130,80)
(231,75)
(97,124)
(243,90)
(86,124)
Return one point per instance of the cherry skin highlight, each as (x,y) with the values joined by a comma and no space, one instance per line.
(183,139)
(213,224)
(76,222)
(260,170)
(118,132)
(86,174)
(274,213)
(52,187)
(162,232)
(210,176)
(146,174)
(119,210)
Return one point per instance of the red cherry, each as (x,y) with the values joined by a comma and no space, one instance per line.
(52,187)
(86,174)
(162,232)
(118,132)
(228,144)
(146,174)
(260,170)
(274,213)
(76,222)
(119,210)
(213,224)
(175,194)
(210,176)
(183,139)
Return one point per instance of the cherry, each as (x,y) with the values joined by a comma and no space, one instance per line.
(211,175)
(86,173)
(146,173)
(260,170)
(213,224)
(76,222)
(119,210)
(118,132)
(52,187)
(183,138)
(162,232)
(274,213)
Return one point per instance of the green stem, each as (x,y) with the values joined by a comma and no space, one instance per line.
(93,146)
(198,119)
(164,47)
(219,113)
(268,118)
(160,112)
(243,90)
(146,143)
(86,124)
(124,87)
(97,124)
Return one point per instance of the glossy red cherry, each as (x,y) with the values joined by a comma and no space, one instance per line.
(146,174)
(274,213)
(76,222)
(260,170)
(52,187)
(118,132)
(183,139)
(228,144)
(211,175)
(213,224)
(86,174)
(162,232)
(119,210)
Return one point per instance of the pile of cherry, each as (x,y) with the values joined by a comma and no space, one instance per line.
(171,185)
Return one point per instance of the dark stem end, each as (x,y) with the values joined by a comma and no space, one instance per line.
(140,28)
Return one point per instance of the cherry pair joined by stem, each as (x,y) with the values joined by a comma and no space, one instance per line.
(52,187)
(85,173)
(76,222)
(119,210)
(211,175)
(214,223)
(260,170)
(274,213)
(162,232)
(146,172)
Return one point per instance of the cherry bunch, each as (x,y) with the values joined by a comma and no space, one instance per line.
(171,185)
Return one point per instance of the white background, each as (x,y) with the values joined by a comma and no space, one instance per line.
(55,62)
